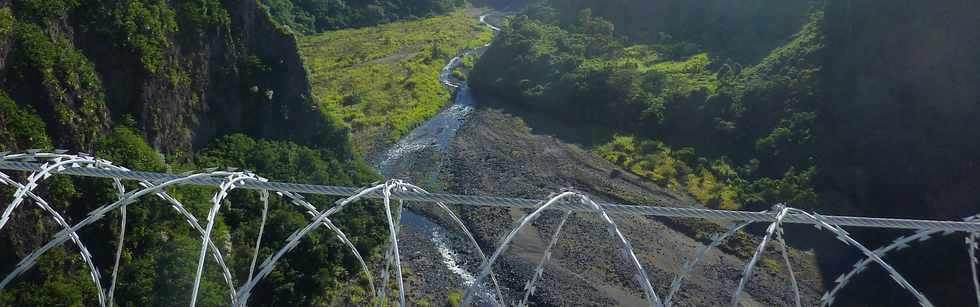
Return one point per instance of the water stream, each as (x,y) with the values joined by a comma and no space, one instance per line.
(424,146)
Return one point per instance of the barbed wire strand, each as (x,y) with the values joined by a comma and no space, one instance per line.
(780,212)
(539,269)
(843,236)
(971,248)
(627,249)
(230,184)
(84,165)
(789,267)
(611,208)
(688,268)
(264,197)
(469,235)
(120,193)
(27,190)
(293,240)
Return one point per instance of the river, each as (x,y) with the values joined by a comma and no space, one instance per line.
(417,158)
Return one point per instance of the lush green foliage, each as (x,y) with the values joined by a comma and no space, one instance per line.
(19,127)
(308,17)
(672,92)
(712,182)
(64,282)
(66,76)
(319,271)
(849,116)
(587,73)
(149,27)
(159,257)
(384,80)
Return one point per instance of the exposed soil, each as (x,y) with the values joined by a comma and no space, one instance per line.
(495,154)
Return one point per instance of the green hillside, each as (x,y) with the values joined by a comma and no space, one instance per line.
(384,80)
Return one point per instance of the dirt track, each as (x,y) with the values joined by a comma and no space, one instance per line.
(495,154)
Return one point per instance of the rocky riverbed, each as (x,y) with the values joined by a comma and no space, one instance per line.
(495,153)
(479,150)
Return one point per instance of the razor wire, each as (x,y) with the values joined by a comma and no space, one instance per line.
(843,236)
(789,266)
(688,268)
(42,165)
(120,191)
(611,208)
(627,249)
(469,236)
(971,247)
(747,271)
(539,270)
(897,244)
(28,190)
(231,181)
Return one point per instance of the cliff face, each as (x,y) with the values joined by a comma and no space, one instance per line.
(183,73)
(109,77)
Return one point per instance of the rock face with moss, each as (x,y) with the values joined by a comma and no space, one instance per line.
(184,72)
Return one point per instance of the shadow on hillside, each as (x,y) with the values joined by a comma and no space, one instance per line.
(585,135)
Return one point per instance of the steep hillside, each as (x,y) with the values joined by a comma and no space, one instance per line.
(867,109)
(803,105)
(185,73)
(168,86)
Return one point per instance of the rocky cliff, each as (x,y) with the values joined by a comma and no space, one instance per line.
(182,73)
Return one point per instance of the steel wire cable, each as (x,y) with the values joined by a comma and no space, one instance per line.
(154,183)
(611,208)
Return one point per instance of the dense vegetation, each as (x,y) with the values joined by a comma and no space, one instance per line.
(867,109)
(802,119)
(161,250)
(142,83)
(309,17)
(673,91)
(382,81)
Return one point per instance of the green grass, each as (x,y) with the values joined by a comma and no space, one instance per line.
(383,81)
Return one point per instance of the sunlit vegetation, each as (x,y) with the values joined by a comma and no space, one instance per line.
(455,298)
(674,96)
(308,17)
(384,80)
(713,182)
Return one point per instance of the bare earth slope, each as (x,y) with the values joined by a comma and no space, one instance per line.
(494,154)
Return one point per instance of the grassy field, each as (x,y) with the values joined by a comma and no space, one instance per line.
(384,80)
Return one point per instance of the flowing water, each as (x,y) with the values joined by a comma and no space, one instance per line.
(422,149)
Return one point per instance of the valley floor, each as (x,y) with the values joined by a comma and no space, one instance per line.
(384,80)
(496,154)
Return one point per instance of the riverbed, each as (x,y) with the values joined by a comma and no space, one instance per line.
(440,258)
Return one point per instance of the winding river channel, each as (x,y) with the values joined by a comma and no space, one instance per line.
(417,158)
